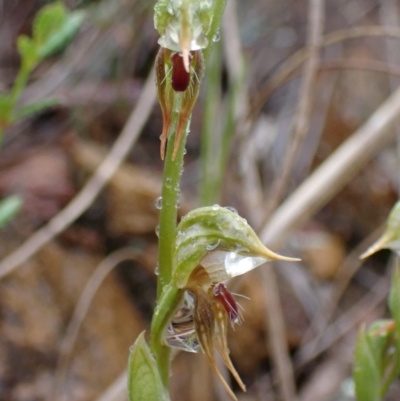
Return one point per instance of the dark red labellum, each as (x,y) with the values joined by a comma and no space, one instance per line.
(180,77)
(225,297)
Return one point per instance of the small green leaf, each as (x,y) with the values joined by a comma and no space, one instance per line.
(144,381)
(9,207)
(54,27)
(366,373)
(28,51)
(34,108)
(379,334)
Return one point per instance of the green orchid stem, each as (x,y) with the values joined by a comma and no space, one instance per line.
(165,310)
(168,300)
(20,83)
(168,220)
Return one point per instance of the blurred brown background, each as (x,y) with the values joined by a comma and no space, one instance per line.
(99,77)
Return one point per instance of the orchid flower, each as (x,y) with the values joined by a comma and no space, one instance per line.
(213,244)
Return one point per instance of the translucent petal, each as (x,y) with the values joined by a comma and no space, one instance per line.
(222,265)
(181,332)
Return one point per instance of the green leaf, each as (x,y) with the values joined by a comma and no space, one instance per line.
(144,381)
(34,108)
(9,207)
(28,51)
(54,27)
(366,373)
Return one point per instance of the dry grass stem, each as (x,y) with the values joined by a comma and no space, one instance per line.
(293,62)
(276,325)
(82,307)
(91,190)
(346,322)
(301,122)
(333,174)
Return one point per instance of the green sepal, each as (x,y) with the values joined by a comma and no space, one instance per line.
(144,381)
(9,207)
(213,227)
(366,371)
(173,18)
(54,27)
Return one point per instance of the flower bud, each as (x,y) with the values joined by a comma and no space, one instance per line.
(177,89)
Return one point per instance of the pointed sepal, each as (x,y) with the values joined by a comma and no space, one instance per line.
(390,239)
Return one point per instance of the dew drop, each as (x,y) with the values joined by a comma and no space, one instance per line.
(216,37)
(178,204)
(184,151)
(211,247)
(232,209)
(168,180)
(215,207)
(156,270)
(158,203)
(157,230)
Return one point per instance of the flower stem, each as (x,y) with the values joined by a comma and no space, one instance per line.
(168,221)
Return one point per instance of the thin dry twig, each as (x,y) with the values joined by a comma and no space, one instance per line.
(90,290)
(346,322)
(366,65)
(332,175)
(276,324)
(351,265)
(277,335)
(91,190)
(390,16)
(293,62)
(301,122)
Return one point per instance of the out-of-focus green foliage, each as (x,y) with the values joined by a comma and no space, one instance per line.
(377,353)
(9,207)
(53,28)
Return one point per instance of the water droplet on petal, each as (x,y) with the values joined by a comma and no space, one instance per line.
(232,209)
(157,230)
(158,203)
(156,270)
(211,247)
(216,37)
(178,204)
(215,207)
